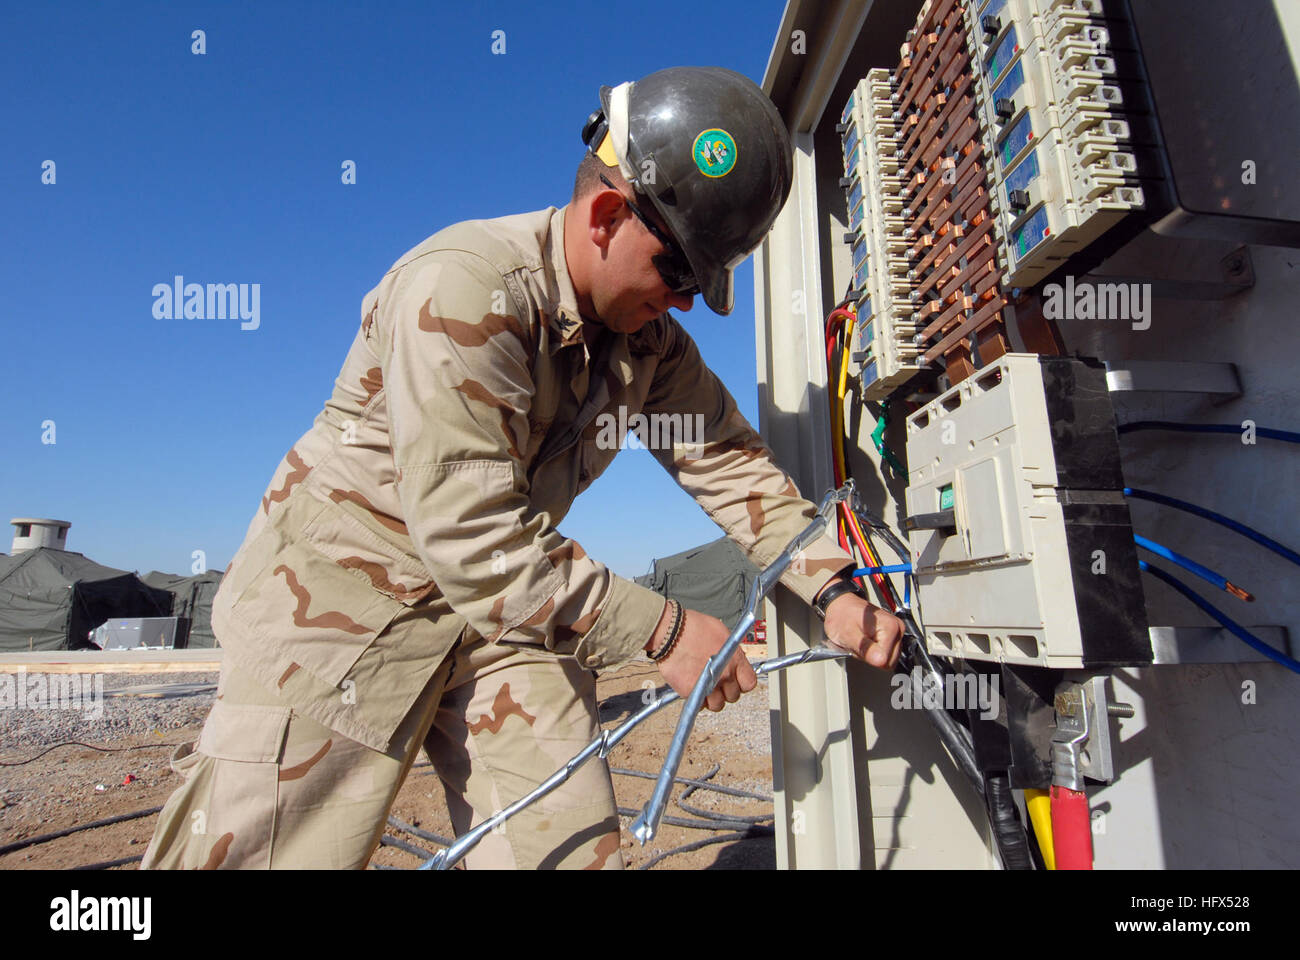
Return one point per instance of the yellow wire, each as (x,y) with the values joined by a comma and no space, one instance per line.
(837,434)
(837,407)
(1039,805)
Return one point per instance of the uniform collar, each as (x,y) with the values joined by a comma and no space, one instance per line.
(566,322)
(564,318)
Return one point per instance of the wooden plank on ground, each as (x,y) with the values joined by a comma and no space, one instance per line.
(111,661)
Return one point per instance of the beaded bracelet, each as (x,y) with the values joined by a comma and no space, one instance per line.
(679,619)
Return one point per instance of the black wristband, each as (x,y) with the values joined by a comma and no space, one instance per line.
(845,585)
(679,620)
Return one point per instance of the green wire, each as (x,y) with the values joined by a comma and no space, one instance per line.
(878,438)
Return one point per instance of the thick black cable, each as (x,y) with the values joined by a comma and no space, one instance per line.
(726,817)
(388,840)
(44,837)
(956,738)
(105,864)
(1008,831)
(416,831)
(717,788)
(713,815)
(753,833)
(691,824)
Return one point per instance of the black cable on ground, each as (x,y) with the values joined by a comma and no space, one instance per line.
(713,824)
(712,815)
(1008,831)
(416,831)
(725,817)
(78,743)
(753,833)
(32,841)
(105,864)
(388,840)
(729,791)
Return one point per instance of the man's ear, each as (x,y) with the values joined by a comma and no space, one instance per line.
(607,212)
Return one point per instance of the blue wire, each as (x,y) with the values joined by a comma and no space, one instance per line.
(1247,532)
(891,568)
(904,568)
(1233,627)
(1268,432)
(1160,550)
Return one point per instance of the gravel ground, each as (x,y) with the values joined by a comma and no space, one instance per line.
(75,785)
(103,719)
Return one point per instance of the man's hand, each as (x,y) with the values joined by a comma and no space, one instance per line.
(866,631)
(701,637)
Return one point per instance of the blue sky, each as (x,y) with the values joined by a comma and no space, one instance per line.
(226,168)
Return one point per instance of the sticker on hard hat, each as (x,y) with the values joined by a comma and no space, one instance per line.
(714,152)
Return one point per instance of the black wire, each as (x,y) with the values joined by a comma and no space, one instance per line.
(725,817)
(753,833)
(711,815)
(1008,832)
(388,840)
(416,831)
(78,743)
(105,864)
(712,824)
(45,837)
(729,791)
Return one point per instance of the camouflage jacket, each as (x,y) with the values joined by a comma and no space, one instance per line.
(469,413)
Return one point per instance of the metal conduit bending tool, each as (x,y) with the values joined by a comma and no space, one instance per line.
(646,825)
(608,739)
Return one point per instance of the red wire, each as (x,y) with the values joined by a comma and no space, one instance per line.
(884,586)
(1071,829)
(833,324)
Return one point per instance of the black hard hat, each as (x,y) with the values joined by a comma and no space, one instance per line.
(710,150)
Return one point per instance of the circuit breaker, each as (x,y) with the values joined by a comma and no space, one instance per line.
(1022,547)
(1062,111)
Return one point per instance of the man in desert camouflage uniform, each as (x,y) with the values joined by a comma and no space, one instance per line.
(403,583)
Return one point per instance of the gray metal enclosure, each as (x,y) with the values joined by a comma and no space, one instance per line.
(1206,767)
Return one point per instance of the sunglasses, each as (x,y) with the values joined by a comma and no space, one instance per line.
(673,267)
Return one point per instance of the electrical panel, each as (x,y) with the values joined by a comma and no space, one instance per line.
(1011,134)
(1021,541)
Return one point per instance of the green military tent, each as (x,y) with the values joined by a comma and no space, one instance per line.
(713,578)
(52,599)
(191,599)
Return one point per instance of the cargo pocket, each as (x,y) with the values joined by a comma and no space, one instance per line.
(232,809)
(316,612)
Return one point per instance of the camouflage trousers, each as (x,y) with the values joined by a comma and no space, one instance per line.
(267,787)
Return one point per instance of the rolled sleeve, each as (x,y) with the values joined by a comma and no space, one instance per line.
(457,368)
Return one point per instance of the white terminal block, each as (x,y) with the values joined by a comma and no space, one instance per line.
(1062,147)
(1000,587)
(884,330)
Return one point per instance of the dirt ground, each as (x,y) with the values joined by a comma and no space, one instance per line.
(61,788)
